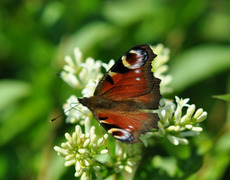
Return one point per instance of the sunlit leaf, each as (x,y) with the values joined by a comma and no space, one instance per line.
(225,97)
(197,64)
(11,91)
(89,35)
(23,117)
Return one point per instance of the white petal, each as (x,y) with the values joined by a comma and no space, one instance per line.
(202,117)
(128,169)
(78,56)
(70,162)
(173,140)
(197,129)
(104,151)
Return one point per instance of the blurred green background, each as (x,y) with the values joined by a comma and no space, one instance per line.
(36,35)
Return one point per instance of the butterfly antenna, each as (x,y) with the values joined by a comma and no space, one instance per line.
(72,107)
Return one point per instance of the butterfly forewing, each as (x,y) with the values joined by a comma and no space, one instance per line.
(132,73)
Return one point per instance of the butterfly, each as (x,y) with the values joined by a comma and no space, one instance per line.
(124,97)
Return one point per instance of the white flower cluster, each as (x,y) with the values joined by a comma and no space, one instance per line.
(126,158)
(176,126)
(78,73)
(81,150)
(159,67)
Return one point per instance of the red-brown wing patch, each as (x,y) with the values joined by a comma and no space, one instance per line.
(151,99)
(111,77)
(134,83)
(127,126)
(130,76)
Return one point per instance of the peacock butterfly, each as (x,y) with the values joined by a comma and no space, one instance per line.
(125,96)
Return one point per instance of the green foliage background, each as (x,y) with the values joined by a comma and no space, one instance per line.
(36,35)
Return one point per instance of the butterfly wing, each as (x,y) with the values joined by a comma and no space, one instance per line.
(122,94)
(127,126)
(131,78)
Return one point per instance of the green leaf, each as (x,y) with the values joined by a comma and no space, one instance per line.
(223,143)
(22,117)
(128,12)
(225,97)
(11,91)
(198,64)
(94,33)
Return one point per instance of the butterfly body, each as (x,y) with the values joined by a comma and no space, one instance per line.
(125,96)
(96,103)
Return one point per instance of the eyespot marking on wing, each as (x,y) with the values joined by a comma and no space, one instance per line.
(134,58)
(121,134)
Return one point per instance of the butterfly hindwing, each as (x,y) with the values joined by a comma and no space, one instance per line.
(127,127)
